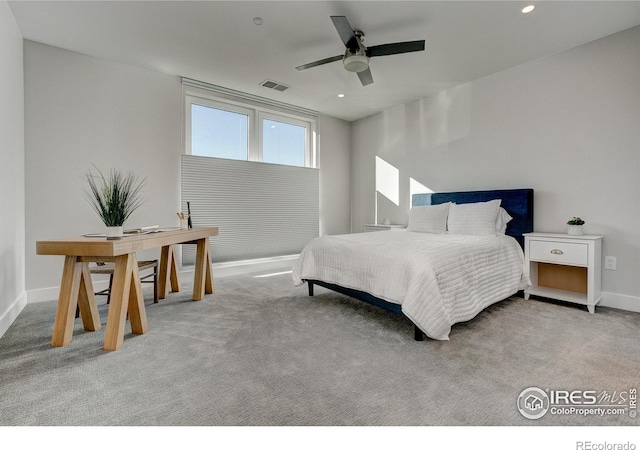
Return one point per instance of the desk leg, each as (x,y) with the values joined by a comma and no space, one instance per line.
(168,272)
(67,302)
(120,290)
(137,313)
(203,276)
(87,301)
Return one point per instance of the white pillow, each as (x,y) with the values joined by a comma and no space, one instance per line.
(474,218)
(502,220)
(429,218)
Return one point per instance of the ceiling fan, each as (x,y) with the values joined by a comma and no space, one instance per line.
(356,56)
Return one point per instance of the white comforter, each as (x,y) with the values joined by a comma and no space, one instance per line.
(438,279)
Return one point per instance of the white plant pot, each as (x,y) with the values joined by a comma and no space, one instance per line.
(575,230)
(115,233)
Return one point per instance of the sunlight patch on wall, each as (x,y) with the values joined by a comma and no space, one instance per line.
(415,187)
(388,180)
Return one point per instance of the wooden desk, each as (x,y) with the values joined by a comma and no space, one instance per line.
(126,291)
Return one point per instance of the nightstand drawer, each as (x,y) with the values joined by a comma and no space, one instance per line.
(559,252)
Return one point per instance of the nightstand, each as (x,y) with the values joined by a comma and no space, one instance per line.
(564,267)
(380,227)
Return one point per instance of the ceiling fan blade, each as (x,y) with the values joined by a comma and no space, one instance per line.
(346,32)
(366,77)
(320,62)
(395,48)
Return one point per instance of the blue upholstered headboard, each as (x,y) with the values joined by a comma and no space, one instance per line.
(517,202)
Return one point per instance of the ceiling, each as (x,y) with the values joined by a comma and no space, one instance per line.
(217,42)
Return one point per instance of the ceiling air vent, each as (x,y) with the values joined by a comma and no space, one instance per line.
(273,85)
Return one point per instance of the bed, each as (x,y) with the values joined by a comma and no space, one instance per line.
(436,277)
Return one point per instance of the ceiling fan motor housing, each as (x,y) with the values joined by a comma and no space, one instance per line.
(355,58)
(355,63)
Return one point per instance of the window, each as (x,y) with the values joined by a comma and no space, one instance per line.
(239,172)
(223,128)
(219,133)
(283,143)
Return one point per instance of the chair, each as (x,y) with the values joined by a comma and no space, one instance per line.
(108,268)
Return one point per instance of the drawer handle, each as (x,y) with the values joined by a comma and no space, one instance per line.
(557,251)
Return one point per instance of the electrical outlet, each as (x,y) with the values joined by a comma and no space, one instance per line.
(610,262)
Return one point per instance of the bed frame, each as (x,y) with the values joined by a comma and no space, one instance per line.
(517,202)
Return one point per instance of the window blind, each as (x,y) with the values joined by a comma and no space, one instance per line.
(261,210)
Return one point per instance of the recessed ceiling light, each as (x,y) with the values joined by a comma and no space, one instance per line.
(258,20)
(340,95)
(528,9)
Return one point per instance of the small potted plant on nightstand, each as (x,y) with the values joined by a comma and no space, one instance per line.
(114,198)
(574,226)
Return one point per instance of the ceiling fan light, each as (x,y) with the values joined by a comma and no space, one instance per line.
(356,63)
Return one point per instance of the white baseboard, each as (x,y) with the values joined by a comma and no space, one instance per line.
(620,301)
(219,270)
(278,263)
(51,293)
(12,312)
(225,269)
(281,263)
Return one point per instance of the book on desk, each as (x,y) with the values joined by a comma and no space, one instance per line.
(137,231)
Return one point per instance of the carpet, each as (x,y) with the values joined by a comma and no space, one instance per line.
(260,352)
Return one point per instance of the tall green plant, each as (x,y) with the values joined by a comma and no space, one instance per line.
(114,197)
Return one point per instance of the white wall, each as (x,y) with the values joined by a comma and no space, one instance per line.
(334,164)
(12,197)
(82,111)
(566,125)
